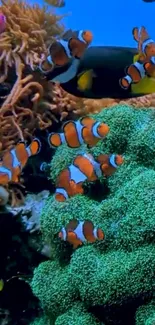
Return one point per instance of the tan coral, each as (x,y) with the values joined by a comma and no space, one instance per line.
(29,31)
(82,106)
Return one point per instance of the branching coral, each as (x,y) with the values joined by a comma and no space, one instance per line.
(29,31)
(121,268)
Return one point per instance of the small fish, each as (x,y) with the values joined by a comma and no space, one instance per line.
(75,133)
(60,52)
(109,163)
(2,23)
(144,66)
(64,55)
(146,45)
(77,232)
(1,284)
(15,160)
(134,73)
(84,168)
(78,42)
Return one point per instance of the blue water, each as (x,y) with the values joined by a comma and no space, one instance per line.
(111,21)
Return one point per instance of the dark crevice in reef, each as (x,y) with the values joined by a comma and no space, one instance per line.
(122,313)
(17,259)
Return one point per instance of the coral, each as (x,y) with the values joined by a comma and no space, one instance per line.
(122,121)
(56,298)
(77,315)
(41,321)
(29,31)
(121,268)
(84,106)
(30,210)
(145,315)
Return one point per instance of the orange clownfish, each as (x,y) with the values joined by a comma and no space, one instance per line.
(78,232)
(15,160)
(134,73)
(75,133)
(84,167)
(109,163)
(72,45)
(145,65)
(146,45)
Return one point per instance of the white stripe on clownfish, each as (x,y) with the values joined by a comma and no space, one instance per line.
(80,36)
(112,161)
(64,233)
(62,191)
(79,128)
(145,43)
(76,175)
(67,50)
(6,171)
(79,231)
(95,233)
(16,162)
(95,164)
(95,131)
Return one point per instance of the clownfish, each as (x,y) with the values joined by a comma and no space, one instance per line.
(15,160)
(144,66)
(75,133)
(64,55)
(146,45)
(77,232)
(134,73)
(99,72)
(84,167)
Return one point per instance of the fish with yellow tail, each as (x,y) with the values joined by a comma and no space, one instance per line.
(77,232)
(13,161)
(75,133)
(84,168)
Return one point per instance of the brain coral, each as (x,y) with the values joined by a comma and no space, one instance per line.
(109,282)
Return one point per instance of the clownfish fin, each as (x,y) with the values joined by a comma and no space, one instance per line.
(55,139)
(34,147)
(104,167)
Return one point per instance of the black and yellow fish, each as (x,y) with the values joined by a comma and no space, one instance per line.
(98,72)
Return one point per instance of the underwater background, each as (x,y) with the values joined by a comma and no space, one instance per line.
(77,162)
(110,21)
